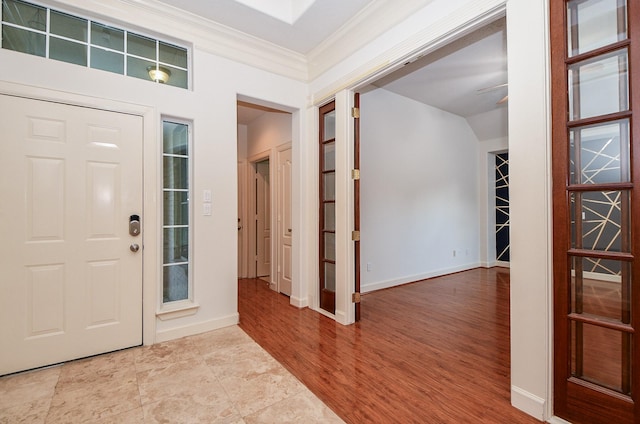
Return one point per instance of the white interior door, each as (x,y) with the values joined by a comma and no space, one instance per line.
(70,178)
(263,220)
(284,228)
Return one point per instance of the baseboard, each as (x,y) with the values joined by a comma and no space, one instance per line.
(557,420)
(197,328)
(366,288)
(528,403)
(299,302)
(502,264)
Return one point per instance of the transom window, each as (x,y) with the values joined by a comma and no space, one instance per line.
(40,31)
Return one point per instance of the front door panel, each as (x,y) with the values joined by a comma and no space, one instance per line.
(70,178)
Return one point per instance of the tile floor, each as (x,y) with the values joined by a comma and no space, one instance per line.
(218,377)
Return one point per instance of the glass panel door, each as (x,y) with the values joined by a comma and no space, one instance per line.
(327,207)
(595,199)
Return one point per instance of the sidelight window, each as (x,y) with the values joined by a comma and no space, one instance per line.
(176,268)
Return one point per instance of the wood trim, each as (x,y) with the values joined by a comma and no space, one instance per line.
(356,200)
(575,399)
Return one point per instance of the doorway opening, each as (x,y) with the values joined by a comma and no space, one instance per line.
(428,198)
(264,194)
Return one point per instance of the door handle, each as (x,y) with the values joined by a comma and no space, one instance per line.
(134,247)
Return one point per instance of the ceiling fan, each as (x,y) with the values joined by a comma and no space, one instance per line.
(493,88)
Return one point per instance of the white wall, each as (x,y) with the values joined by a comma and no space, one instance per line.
(211,106)
(268,132)
(419,200)
(529,142)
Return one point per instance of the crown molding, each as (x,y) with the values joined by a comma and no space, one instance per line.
(372,21)
(167,21)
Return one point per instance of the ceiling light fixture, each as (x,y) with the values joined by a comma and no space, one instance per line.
(159,74)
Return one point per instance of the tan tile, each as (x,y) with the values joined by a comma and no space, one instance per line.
(192,409)
(251,395)
(303,407)
(70,381)
(28,387)
(33,412)
(97,365)
(223,337)
(162,354)
(134,416)
(177,379)
(91,404)
(242,362)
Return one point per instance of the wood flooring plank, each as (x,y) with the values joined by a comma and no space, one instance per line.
(435,351)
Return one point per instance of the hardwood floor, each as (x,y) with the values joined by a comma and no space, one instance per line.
(435,351)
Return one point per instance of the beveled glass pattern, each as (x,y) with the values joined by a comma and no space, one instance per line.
(600,153)
(594,23)
(599,86)
(600,223)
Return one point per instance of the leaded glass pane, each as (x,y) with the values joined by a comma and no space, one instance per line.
(329,153)
(107,37)
(24,14)
(600,351)
(330,276)
(600,223)
(330,125)
(601,153)
(178,77)
(175,138)
(599,86)
(172,55)
(139,68)
(176,208)
(68,51)
(176,172)
(594,23)
(330,216)
(138,45)
(601,288)
(175,283)
(24,41)
(176,245)
(330,246)
(68,26)
(107,60)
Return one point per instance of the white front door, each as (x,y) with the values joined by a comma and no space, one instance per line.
(285,229)
(263,220)
(71,284)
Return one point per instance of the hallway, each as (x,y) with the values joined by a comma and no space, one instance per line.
(435,351)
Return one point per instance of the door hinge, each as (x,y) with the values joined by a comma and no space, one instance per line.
(355,235)
(355,174)
(355,297)
(355,112)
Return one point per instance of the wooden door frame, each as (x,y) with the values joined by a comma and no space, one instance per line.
(152,211)
(575,398)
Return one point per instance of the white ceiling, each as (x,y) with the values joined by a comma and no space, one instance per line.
(463,77)
(267,19)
